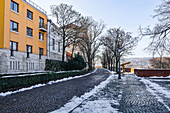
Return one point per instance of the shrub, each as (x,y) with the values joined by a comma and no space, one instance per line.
(55,65)
(76,63)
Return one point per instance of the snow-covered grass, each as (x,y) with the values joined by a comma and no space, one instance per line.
(40,85)
(98,106)
(156,89)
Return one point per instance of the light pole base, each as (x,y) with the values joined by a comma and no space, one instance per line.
(119,76)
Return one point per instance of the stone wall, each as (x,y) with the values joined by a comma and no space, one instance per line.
(19,62)
(152,72)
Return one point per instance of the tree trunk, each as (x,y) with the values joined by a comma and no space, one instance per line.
(72,51)
(111,64)
(63,55)
(117,64)
(90,65)
(160,62)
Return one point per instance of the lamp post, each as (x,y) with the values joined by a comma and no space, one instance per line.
(119,77)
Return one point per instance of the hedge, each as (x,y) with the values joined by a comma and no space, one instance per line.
(13,83)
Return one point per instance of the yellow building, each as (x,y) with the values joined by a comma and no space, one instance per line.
(23,36)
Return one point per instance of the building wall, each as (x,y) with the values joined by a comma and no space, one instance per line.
(152,72)
(19,62)
(2,12)
(21,36)
(54,54)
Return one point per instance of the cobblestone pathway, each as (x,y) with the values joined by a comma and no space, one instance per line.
(50,97)
(128,95)
(135,98)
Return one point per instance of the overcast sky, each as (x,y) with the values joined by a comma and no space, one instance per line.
(127,14)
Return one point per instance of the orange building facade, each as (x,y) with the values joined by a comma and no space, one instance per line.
(23,36)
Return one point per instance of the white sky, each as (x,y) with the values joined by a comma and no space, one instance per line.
(127,14)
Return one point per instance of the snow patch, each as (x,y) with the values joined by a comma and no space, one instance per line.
(40,85)
(160,77)
(75,102)
(20,90)
(97,106)
(161,80)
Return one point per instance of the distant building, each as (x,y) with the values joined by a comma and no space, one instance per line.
(74,49)
(23,32)
(137,62)
(54,42)
(158,62)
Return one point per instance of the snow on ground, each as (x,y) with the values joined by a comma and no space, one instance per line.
(160,77)
(96,106)
(40,85)
(156,89)
(161,80)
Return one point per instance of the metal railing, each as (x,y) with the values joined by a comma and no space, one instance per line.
(43,25)
(35,6)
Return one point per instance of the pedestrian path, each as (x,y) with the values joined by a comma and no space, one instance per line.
(128,95)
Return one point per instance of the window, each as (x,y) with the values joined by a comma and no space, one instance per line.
(13,65)
(13,47)
(40,52)
(29,50)
(14,6)
(29,14)
(58,46)
(18,65)
(53,44)
(41,22)
(10,65)
(29,31)
(13,26)
(41,36)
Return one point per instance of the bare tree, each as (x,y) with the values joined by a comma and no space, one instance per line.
(80,28)
(65,17)
(160,33)
(107,58)
(89,43)
(117,38)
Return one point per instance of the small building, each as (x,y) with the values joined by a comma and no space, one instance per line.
(54,42)
(23,36)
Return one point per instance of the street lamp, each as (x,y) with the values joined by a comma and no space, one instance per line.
(119,77)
